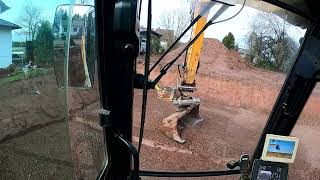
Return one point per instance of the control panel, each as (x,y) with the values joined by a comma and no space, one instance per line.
(266,170)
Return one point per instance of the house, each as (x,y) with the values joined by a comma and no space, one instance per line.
(77,26)
(6,42)
(3,7)
(60,26)
(143,39)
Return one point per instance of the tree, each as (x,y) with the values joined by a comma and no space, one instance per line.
(229,41)
(44,44)
(30,19)
(176,20)
(155,46)
(269,44)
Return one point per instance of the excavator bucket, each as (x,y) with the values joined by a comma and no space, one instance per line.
(190,116)
(193,117)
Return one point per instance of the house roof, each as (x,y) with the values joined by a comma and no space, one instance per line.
(144,33)
(3,7)
(7,24)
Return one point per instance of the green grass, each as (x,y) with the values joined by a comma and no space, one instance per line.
(19,75)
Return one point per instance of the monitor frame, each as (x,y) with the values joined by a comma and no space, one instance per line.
(281,138)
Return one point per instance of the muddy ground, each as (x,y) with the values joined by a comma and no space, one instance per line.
(37,141)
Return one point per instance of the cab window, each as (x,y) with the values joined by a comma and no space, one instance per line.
(46,131)
(243,65)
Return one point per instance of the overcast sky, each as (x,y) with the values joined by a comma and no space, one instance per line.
(47,7)
(239,26)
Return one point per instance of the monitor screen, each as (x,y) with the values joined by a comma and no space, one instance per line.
(280,148)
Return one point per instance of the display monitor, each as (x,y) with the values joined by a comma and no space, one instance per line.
(280,148)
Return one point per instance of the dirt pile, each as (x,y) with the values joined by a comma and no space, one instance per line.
(235,61)
(214,56)
(226,78)
(217,60)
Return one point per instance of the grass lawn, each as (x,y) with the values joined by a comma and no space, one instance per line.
(20,75)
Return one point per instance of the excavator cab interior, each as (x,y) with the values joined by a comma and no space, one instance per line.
(160,89)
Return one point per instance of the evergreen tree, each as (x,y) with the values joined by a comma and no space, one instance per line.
(44,44)
(229,41)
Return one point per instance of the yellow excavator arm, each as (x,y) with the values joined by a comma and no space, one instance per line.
(181,95)
(194,52)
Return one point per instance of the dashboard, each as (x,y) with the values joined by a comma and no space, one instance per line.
(266,170)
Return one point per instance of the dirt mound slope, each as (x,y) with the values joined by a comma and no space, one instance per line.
(217,61)
(214,56)
(224,75)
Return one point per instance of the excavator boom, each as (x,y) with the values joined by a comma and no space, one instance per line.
(194,52)
(181,95)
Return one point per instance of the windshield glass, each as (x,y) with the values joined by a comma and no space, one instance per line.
(46,131)
(243,65)
(51,132)
(307,129)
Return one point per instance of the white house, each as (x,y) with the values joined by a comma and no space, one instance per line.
(6,42)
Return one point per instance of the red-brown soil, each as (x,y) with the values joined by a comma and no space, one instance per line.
(236,100)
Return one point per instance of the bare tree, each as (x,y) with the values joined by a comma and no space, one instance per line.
(176,20)
(30,20)
(269,44)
